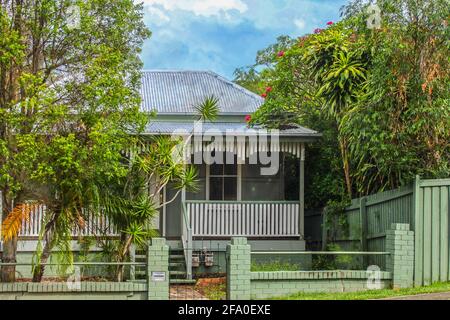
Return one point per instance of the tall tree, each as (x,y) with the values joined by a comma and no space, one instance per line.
(380,95)
(69,77)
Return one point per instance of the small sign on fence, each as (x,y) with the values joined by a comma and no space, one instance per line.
(158,276)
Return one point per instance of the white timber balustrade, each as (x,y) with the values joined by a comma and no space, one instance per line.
(94,225)
(249,219)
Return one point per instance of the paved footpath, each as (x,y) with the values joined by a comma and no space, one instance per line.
(425,296)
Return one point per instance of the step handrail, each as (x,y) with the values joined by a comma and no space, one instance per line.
(186,240)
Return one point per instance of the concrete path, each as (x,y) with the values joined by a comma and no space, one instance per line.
(424,296)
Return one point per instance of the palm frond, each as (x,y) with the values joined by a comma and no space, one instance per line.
(13,222)
(208,109)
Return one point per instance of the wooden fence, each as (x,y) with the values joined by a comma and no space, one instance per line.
(432,219)
(424,205)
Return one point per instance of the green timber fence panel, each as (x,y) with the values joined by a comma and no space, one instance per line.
(368,218)
(424,205)
(432,211)
(313,228)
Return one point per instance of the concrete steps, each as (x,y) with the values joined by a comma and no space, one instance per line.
(177,265)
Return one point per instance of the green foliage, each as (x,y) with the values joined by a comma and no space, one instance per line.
(336,262)
(69,100)
(208,109)
(214,291)
(336,219)
(379,96)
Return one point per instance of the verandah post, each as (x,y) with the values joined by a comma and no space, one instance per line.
(301,219)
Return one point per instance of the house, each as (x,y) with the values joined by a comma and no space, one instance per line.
(257,191)
(252,192)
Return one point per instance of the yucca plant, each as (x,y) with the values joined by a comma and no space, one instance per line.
(134,201)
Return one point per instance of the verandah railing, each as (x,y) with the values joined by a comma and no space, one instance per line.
(244,218)
(93,225)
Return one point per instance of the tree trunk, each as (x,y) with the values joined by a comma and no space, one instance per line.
(346,166)
(7,273)
(39,270)
(122,256)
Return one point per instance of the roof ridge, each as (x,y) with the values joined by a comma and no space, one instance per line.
(235,85)
(175,91)
(172,71)
(212,73)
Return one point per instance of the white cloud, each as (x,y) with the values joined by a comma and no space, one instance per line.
(300,23)
(157,16)
(206,8)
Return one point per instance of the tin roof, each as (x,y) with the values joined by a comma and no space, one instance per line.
(169,127)
(178,92)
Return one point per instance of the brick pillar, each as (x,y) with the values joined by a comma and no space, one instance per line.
(400,243)
(238,269)
(158,270)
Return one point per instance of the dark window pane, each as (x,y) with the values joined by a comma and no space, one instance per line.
(215,188)
(230,169)
(230,189)
(216,170)
(201,170)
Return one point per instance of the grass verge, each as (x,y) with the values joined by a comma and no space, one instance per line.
(370,294)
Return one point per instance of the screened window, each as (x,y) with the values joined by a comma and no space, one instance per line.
(223,181)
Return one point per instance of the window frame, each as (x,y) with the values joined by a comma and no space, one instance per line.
(238,177)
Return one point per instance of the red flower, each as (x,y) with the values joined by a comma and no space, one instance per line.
(248,118)
(264,95)
(329,23)
(281,53)
(268,89)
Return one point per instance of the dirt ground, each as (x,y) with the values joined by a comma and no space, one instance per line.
(185,292)
(204,289)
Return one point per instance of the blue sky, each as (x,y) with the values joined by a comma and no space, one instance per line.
(222,35)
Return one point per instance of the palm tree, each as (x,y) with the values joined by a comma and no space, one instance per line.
(130,202)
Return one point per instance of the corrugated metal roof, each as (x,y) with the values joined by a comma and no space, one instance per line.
(178,92)
(168,127)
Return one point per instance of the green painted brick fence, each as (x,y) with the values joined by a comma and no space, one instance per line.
(155,288)
(60,291)
(242,284)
